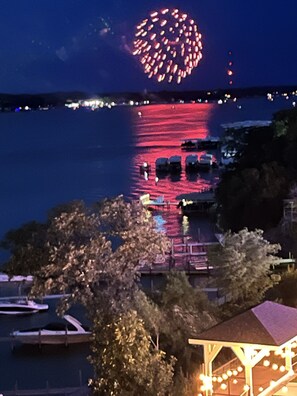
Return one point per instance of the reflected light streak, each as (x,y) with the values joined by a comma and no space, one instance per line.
(159,133)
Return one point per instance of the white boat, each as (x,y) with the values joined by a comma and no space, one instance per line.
(191,163)
(20,307)
(162,164)
(175,163)
(72,332)
(205,161)
(15,278)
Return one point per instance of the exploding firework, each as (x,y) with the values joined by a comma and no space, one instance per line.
(168,45)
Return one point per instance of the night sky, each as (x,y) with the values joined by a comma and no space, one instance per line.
(86,45)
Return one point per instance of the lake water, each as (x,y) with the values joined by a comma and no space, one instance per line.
(47,158)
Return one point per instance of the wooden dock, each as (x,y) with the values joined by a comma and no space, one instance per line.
(184,255)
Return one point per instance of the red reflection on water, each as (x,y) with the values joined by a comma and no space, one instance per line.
(159,130)
(163,125)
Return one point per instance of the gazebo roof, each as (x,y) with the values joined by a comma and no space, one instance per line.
(266,324)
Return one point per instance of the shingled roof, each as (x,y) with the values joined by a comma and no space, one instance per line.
(266,324)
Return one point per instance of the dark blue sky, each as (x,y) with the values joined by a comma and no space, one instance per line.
(62,45)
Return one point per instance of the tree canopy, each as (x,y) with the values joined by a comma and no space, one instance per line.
(251,195)
(92,255)
(243,266)
(128,365)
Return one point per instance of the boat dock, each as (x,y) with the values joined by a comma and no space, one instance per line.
(156,203)
(184,255)
(197,202)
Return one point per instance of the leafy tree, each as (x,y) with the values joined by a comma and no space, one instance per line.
(27,247)
(94,252)
(151,314)
(242,266)
(128,365)
(252,197)
(252,194)
(94,256)
(186,313)
(285,290)
(185,385)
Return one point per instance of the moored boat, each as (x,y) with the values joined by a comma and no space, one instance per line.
(20,307)
(175,163)
(72,332)
(162,164)
(205,161)
(191,163)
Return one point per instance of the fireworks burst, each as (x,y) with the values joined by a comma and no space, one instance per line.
(168,45)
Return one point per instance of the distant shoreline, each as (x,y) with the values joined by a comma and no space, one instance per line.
(10,102)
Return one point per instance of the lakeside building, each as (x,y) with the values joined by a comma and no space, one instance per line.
(263,342)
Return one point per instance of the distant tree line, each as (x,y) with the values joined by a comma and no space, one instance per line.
(59,98)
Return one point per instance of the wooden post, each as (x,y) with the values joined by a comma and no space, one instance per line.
(288,358)
(207,366)
(248,369)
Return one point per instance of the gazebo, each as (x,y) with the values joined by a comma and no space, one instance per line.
(264,342)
